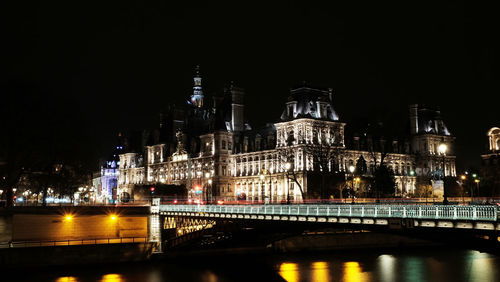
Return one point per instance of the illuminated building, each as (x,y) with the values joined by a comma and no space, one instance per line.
(215,153)
(108,191)
(490,166)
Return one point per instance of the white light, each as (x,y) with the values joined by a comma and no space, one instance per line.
(443,148)
(351,169)
(288,166)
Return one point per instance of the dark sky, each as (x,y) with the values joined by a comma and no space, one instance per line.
(113,65)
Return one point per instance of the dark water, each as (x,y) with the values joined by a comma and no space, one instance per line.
(370,265)
(426,264)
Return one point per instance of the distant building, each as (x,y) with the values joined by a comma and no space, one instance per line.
(490,166)
(214,151)
(108,192)
(97,186)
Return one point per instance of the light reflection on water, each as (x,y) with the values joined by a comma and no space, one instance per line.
(386,268)
(353,272)
(451,265)
(482,266)
(67,279)
(289,271)
(320,271)
(113,277)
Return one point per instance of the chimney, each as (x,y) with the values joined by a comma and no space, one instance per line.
(414,119)
(237,107)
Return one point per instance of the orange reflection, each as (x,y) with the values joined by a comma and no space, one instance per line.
(320,271)
(352,272)
(112,278)
(67,279)
(289,271)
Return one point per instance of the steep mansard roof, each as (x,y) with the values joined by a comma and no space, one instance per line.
(306,102)
(430,121)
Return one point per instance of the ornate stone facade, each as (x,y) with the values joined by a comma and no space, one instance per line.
(228,160)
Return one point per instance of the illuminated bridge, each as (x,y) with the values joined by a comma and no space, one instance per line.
(446,222)
(441,216)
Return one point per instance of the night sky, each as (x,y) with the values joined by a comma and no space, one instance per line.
(84,71)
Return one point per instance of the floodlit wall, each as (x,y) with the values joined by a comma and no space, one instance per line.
(31,227)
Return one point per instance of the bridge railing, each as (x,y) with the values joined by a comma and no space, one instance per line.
(452,212)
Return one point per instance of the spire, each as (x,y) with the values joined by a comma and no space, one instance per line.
(196,98)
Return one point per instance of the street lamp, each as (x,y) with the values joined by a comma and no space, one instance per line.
(442,149)
(462,180)
(351,169)
(288,168)
(261,176)
(209,184)
(477,185)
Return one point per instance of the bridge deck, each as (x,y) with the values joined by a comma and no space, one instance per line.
(435,212)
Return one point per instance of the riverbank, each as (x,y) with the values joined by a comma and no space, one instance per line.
(75,255)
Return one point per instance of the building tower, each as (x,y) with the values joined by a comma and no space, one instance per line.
(196,98)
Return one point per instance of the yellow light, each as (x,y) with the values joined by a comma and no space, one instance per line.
(68,217)
(289,271)
(67,279)
(113,217)
(112,278)
(352,272)
(320,271)
(462,177)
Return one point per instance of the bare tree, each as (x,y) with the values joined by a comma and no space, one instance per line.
(324,152)
(383,176)
(287,159)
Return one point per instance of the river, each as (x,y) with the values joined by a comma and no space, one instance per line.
(412,264)
(442,264)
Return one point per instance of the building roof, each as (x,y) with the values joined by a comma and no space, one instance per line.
(430,122)
(308,102)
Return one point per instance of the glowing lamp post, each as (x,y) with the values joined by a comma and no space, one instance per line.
(209,185)
(477,185)
(261,176)
(351,169)
(288,168)
(442,150)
